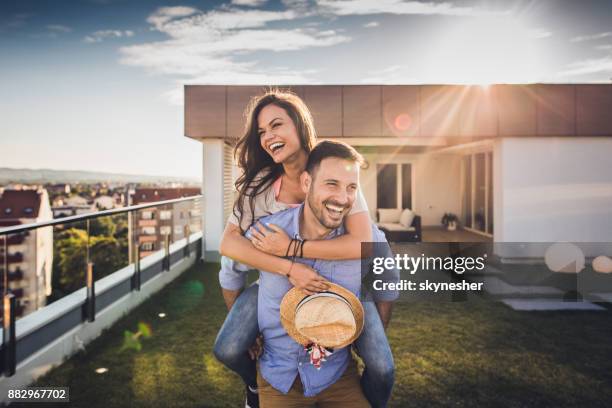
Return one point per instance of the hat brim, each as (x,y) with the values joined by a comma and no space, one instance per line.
(291,300)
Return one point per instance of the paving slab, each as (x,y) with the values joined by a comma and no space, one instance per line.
(549,304)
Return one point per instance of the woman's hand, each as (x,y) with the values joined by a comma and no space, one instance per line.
(272,240)
(308,280)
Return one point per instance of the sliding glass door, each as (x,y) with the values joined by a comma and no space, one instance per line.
(477,200)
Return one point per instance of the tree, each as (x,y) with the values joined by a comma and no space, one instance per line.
(70,259)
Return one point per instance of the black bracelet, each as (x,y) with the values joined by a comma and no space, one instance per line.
(296,248)
(289,247)
(302,249)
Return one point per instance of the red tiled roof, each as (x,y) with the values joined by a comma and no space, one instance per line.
(149,195)
(19,204)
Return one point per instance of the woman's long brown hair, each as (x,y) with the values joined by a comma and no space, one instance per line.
(252,158)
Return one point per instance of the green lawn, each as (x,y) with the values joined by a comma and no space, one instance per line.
(476,353)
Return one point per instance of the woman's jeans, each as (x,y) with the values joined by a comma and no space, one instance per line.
(240,330)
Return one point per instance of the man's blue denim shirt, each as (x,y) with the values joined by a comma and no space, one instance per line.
(283,358)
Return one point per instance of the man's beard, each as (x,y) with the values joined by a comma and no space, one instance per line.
(318,212)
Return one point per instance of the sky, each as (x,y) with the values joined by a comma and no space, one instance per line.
(97,85)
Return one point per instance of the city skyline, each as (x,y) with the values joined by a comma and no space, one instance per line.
(97,85)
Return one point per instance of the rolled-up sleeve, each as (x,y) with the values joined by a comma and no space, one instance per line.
(233,275)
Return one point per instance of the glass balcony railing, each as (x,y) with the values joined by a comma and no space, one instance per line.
(46,261)
(59,274)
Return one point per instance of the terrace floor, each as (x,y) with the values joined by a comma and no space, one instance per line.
(476,353)
(441,234)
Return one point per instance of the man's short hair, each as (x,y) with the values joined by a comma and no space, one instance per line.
(328,148)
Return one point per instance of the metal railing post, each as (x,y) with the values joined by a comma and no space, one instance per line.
(136,277)
(90,303)
(166,262)
(186,250)
(5,269)
(9,342)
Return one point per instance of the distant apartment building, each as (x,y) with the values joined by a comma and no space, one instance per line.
(59,189)
(28,259)
(104,202)
(152,225)
(74,205)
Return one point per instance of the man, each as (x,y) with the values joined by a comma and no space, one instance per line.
(330,181)
(286,376)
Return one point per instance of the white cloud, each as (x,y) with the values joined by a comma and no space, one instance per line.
(588,67)
(58,28)
(165,14)
(101,35)
(371,24)
(210,47)
(300,5)
(364,7)
(15,21)
(249,3)
(604,47)
(391,75)
(591,37)
(538,33)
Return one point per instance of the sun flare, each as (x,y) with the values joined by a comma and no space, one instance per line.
(484,51)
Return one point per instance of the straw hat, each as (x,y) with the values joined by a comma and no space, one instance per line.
(332,319)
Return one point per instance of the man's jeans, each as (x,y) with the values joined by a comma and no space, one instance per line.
(240,330)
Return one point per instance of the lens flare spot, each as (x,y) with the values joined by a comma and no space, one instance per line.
(402,122)
(602,264)
(101,370)
(564,257)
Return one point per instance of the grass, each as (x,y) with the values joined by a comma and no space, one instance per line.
(446,354)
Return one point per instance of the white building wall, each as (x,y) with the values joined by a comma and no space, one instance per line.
(435,183)
(553,189)
(212,189)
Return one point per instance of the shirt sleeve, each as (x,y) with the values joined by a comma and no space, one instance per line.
(247,218)
(233,275)
(360,204)
(250,214)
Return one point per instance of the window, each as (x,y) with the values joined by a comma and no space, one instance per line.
(7,210)
(165,215)
(147,246)
(146,215)
(148,230)
(28,210)
(165,230)
(178,230)
(386,185)
(394,185)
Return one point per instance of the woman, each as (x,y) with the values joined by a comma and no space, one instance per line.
(272,154)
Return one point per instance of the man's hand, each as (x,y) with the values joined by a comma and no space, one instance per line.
(257,348)
(307,279)
(384,311)
(230,296)
(272,240)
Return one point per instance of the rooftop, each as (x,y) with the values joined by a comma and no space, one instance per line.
(19,204)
